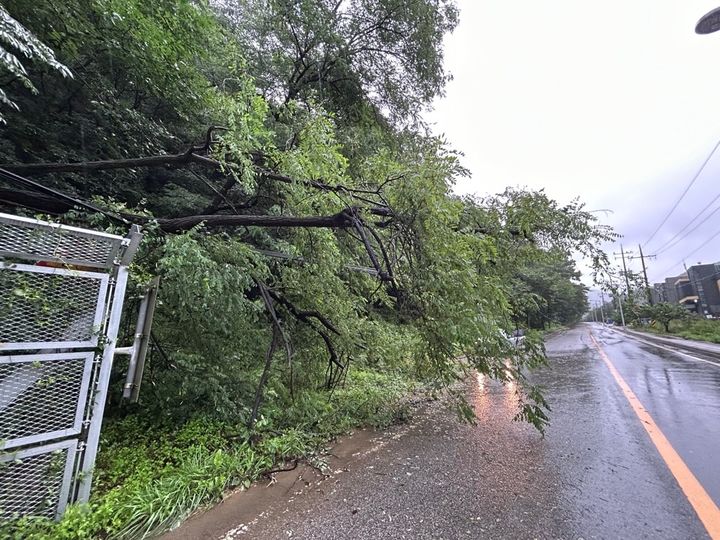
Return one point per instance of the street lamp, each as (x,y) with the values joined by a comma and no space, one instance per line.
(709,23)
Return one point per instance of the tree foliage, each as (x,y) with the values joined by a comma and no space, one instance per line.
(313,256)
(17,38)
(549,291)
(664,313)
(317,106)
(347,55)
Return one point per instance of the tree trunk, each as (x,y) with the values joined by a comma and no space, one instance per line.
(339,220)
(169,160)
(263,380)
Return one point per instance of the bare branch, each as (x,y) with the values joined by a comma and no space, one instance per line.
(208,139)
(377,238)
(177,161)
(263,379)
(169,160)
(276,322)
(339,220)
(303,315)
(334,364)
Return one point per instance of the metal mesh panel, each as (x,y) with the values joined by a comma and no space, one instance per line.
(29,241)
(33,483)
(50,306)
(41,396)
(55,311)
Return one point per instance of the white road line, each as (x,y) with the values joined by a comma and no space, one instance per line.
(702,503)
(716,364)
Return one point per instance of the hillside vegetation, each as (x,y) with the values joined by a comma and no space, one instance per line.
(315,265)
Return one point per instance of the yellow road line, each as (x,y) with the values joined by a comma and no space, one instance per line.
(704,506)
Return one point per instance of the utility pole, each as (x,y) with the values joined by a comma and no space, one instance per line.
(642,258)
(625,273)
(622,315)
(602,313)
(627,280)
(618,298)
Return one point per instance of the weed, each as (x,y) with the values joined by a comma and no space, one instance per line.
(149,476)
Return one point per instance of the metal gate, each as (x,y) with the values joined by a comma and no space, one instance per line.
(61,296)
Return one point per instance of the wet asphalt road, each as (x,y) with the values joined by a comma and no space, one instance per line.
(596,474)
(681,394)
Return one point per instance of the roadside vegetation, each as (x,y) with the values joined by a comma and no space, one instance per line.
(661,314)
(688,327)
(315,265)
(663,318)
(700,329)
(151,475)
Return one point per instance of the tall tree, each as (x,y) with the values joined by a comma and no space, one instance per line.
(547,290)
(17,38)
(346,53)
(307,191)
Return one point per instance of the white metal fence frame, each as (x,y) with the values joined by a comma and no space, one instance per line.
(59,321)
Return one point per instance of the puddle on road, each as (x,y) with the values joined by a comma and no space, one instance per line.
(491,398)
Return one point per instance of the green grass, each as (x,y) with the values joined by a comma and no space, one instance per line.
(694,328)
(150,477)
(700,329)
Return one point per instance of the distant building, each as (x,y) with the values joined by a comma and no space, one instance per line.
(698,289)
(666,291)
(670,288)
(705,282)
(685,292)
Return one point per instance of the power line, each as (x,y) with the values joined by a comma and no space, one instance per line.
(717,233)
(700,213)
(673,265)
(58,195)
(668,268)
(682,196)
(711,214)
(693,252)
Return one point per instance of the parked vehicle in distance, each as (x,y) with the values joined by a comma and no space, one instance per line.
(516,337)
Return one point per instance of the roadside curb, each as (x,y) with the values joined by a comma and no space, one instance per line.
(680,345)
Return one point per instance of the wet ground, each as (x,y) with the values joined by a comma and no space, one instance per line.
(596,473)
(680,391)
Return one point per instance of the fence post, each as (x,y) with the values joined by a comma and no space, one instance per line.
(103,379)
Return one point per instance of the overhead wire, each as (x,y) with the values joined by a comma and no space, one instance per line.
(25,182)
(706,242)
(668,268)
(688,224)
(682,196)
(693,252)
(696,227)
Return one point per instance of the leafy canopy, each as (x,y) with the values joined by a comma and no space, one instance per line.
(664,313)
(320,102)
(17,38)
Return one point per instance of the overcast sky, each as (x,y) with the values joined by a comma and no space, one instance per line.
(617,102)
